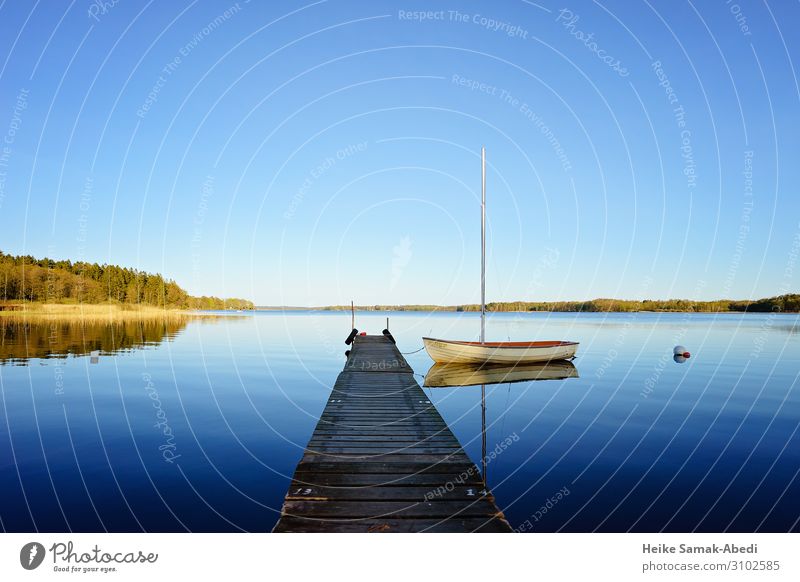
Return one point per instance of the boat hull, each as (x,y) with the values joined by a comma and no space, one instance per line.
(451,352)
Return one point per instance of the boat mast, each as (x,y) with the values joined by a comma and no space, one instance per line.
(483,310)
(484,460)
(483,244)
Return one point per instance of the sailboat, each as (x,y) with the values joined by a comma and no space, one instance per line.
(483,352)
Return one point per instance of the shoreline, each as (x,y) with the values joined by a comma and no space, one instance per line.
(786,303)
(137,311)
(94,311)
(445,310)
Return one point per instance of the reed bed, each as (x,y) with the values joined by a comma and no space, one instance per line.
(103,313)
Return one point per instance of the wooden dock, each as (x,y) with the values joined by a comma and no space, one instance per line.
(381,458)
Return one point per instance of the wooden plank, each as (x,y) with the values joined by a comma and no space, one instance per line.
(290,524)
(390,509)
(303,492)
(370,452)
(395,444)
(432,480)
(398,466)
(382,458)
(348,438)
(317,444)
(386,458)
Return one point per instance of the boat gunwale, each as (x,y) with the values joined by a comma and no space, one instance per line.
(507,345)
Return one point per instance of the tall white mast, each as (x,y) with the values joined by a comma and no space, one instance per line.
(483,244)
(483,308)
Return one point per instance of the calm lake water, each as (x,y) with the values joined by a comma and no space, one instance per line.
(199,426)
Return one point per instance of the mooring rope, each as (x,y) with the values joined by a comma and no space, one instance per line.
(414,352)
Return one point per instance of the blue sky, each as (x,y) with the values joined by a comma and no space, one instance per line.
(307,154)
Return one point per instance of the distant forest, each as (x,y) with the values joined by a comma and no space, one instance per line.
(782,303)
(25,278)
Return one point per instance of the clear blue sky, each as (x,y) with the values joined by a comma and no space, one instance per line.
(307,154)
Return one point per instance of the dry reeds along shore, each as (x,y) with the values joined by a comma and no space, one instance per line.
(99,313)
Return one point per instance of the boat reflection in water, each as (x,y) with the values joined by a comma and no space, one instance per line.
(453,375)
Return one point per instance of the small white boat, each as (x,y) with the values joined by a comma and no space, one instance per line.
(452,375)
(447,351)
(483,352)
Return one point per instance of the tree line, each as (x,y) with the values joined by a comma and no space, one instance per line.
(26,278)
(781,303)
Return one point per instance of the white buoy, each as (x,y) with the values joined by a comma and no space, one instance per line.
(680,351)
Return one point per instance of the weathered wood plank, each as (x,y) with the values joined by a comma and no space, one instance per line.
(349,438)
(432,480)
(304,492)
(382,453)
(454,525)
(387,458)
(362,509)
(399,466)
